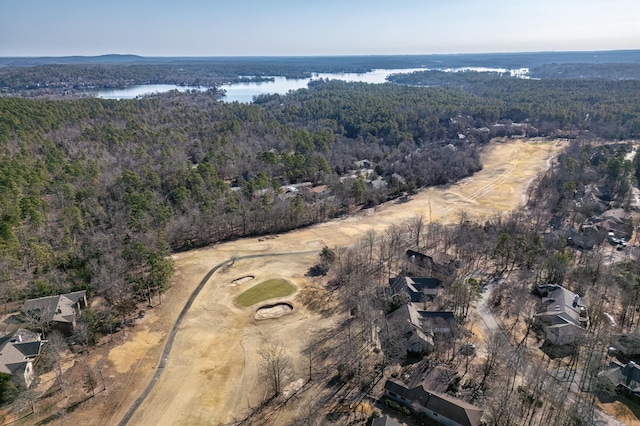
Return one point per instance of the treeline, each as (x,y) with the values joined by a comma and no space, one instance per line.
(51,75)
(609,109)
(97,193)
(610,71)
(52,79)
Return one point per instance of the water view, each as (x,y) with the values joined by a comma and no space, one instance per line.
(246,91)
(132,92)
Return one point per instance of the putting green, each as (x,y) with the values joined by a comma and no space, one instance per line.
(266,290)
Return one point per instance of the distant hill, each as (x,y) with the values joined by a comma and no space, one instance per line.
(507,60)
(112,59)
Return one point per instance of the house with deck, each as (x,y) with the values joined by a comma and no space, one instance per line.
(61,310)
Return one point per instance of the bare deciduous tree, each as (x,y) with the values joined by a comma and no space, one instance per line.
(276,365)
(89,381)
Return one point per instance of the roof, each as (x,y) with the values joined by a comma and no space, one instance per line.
(454,409)
(17,348)
(627,376)
(439,260)
(408,322)
(378,183)
(319,189)
(405,316)
(415,287)
(627,343)
(60,308)
(564,306)
(438,321)
(437,379)
(385,421)
(423,320)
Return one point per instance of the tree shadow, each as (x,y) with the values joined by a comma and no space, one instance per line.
(558,351)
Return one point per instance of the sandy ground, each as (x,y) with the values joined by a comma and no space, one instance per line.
(212,375)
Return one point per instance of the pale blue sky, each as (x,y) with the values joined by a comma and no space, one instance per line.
(322,27)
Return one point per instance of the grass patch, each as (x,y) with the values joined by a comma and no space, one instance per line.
(266,290)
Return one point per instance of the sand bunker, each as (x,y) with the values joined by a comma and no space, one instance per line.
(273,311)
(241,280)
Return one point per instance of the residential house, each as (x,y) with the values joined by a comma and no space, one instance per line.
(628,344)
(378,183)
(440,265)
(407,322)
(315,191)
(61,310)
(419,289)
(625,378)
(440,407)
(438,378)
(419,327)
(362,164)
(385,421)
(18,353)
(439,322)
(562,314)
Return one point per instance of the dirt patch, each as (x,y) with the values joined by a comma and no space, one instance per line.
(126,356)
(273,311)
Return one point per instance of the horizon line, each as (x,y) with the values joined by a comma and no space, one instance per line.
(321,55)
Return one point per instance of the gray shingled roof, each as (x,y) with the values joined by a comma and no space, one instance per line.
(17,348)
(385,421)
(415,287)
(58,308)
(453,408)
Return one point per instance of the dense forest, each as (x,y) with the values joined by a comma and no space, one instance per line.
(96,193)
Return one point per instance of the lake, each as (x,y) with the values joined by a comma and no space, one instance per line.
(245,91)
(132,92)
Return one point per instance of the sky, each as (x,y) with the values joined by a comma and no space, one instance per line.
(308,28)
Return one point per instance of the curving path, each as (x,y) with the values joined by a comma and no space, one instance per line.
(176,327)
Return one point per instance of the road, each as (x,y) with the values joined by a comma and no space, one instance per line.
(494,325)
(176,327)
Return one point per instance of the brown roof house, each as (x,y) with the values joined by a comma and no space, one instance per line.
(440,265)
(562,314)
(440,407)
(18,352)
(61,311)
